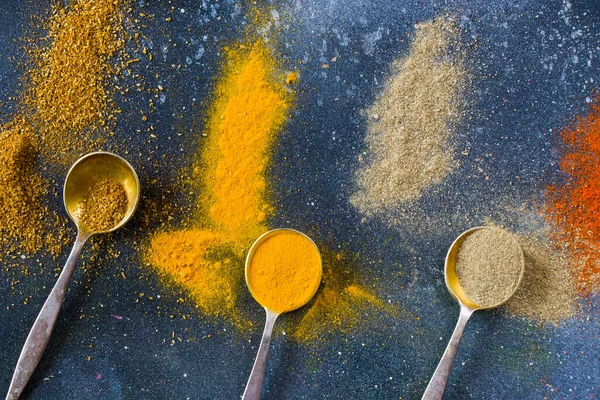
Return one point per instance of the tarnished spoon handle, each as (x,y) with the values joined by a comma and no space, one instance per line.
(42,328)
(437,384)
(254,385)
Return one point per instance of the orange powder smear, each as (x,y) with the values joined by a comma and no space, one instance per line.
(249,110)
(574,205)
(284,271)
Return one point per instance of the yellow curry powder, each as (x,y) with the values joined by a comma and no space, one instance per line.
(284,272)
(250,108)
(68,102)
(208,261)
(62,102)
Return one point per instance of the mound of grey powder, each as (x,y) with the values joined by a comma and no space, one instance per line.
(488,266)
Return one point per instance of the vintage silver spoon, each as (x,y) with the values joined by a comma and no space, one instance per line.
(84,173)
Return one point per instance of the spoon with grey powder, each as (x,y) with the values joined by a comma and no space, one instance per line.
(484,268)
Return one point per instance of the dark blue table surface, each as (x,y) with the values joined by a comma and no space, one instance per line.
(534,68)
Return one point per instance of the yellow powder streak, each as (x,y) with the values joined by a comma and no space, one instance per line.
(250,109)
(284,272)
(208,261)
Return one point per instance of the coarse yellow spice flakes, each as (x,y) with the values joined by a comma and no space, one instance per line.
(67,101)
(63,111)
(21,188)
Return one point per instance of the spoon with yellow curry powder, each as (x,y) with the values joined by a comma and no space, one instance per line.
(283,272)
(101,193)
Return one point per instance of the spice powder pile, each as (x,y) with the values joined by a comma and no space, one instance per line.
(104,205)
(64,109)
(284,271)
(250,109)
(488,266)
(409,125)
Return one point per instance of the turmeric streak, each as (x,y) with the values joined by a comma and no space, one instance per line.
(249,110)
(284,271)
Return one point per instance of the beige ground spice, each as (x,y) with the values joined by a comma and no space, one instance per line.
(546,292)
(104,205)
(488,266)
(409,125)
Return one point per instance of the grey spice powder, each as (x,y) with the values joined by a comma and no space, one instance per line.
(488,266)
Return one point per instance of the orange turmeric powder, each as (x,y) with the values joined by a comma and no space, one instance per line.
(284,271)
(249,110)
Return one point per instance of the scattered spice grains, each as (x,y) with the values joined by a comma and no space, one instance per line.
(21,188)
(341,306)
(488,266)
(63,111)
(546,292)
(284,271)
(104,205)
(409,126)
(67,101)
(574,203)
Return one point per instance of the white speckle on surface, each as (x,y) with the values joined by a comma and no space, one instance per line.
(370,41)
(199,53)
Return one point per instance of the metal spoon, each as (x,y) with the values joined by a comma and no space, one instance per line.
(437,384)
(254,385)
(84,173)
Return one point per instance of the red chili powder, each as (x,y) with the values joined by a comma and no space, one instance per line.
(574,203)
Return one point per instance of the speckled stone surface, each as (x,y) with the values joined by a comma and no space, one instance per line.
(534,67)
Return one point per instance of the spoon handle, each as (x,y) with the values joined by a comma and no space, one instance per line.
(254,385)
(437,384)
(42,327)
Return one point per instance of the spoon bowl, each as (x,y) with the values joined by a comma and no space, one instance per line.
(437,384)
(92,168)
(452,281)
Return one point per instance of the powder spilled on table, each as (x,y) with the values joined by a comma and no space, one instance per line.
(64,109)
(251,106)
(249,110)
(409,126)
(488,266)
(546,291)
(21,188)
(342,305)
(67,101)
(574,203)
(104,205)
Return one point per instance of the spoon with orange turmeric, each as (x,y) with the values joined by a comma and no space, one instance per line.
(283,272)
